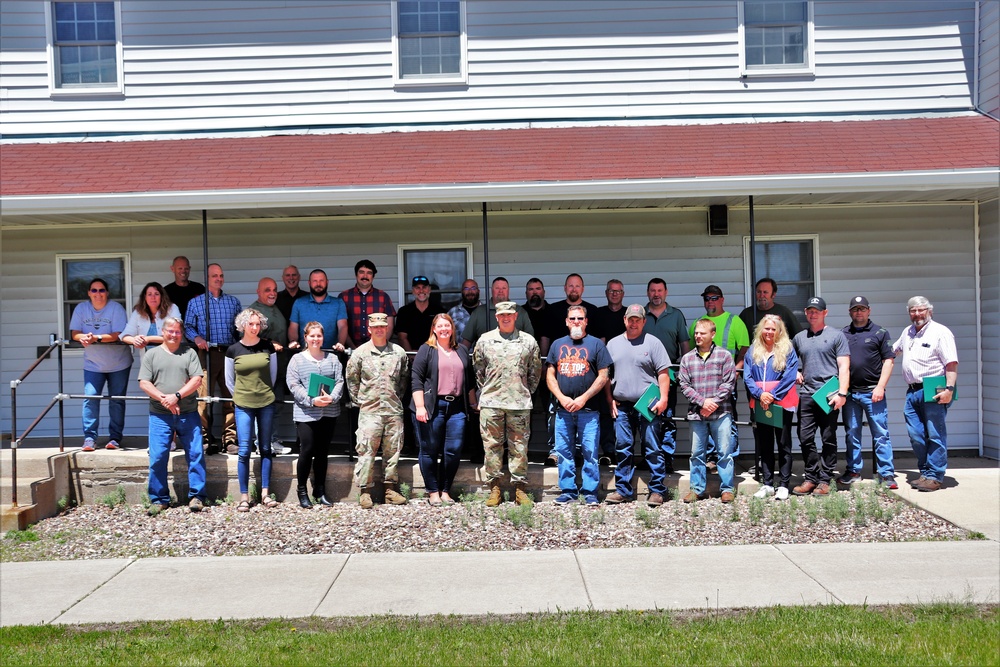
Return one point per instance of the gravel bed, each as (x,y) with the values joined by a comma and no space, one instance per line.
(98,531)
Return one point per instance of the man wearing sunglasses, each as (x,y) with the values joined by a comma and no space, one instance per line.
(730,335)
(413,321)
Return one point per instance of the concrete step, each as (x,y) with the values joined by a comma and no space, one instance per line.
(18,518)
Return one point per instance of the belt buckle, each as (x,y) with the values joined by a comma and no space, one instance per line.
(449,399)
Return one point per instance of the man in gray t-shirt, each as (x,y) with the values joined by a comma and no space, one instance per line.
(823,354)
(171,376)
(640,360)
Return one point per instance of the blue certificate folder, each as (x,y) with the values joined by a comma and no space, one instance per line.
(318,383)
(822,395)
(934,384)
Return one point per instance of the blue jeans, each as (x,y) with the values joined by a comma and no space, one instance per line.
(858,405)
(721,432)
(445,431)
(577,428)
(187,426)
(734,434)
(668,427)
(629,426)
(245,420)
(928,434)
(93,385)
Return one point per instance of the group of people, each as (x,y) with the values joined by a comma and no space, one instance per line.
(612,375)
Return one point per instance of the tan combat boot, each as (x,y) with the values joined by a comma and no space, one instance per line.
(392,496)
(495,496)
(520,496)
(365,500)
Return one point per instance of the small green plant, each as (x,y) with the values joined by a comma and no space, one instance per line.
(836,507)
(575,514)
(755,510)
(597,517)
(63,504)
(976,535)
(734,513)
(26,535)
(405,490)
(520,516)
(113,499)
(812,510)
(253,492)
(647,517)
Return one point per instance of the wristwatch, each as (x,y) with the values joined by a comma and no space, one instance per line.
(951,388)
(841,395)
(178,395)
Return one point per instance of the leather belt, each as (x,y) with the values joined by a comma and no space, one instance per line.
(915,386)
(449,399)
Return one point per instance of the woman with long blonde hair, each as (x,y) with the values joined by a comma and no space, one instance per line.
(769,370)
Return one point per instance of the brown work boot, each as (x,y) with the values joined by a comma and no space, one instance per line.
(615,498)
(691,497)
(823,489)
(727,497)
(928,485)
(392,496)
(654,500)
(804,489)
(365,500)
(520,497)
(495,496)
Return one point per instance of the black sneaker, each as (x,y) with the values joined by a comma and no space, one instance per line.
(889,481)
(848,478)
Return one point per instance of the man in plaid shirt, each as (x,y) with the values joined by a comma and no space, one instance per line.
(362,300)
(707,377)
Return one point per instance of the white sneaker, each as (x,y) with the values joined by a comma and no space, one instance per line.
(277,448)
(764,492)
(781,493)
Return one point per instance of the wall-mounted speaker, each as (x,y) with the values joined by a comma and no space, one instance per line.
(718,220)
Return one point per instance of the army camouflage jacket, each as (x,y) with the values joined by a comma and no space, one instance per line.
(377,381)
(507,371)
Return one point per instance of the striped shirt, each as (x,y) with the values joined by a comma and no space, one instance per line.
(925,352)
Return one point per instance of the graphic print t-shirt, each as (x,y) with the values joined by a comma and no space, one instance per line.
(577,363)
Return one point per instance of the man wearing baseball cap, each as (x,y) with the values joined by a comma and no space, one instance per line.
(823,354)
(872,361)
(413,321)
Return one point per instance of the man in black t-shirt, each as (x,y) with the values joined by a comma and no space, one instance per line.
(182,290)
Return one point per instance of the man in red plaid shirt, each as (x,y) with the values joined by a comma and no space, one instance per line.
(362,300)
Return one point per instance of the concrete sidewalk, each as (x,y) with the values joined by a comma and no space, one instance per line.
(114,591)
(120,590)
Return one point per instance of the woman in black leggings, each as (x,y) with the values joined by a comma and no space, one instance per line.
(315,412)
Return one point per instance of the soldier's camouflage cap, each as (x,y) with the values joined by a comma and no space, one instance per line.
(506,307)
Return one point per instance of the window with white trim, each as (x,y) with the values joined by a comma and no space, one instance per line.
(777,36)
(429,37)
(85,40)
(446,266)
(76,272)
(792,262)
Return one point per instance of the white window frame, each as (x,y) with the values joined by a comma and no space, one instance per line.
(460,78)
(57,90)
(763,71)
(61,296)
(405,289)
(749,280)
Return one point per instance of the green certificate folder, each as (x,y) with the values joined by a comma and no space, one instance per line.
(318,382)
(772,416)
(934,384)
(649,398)
(822,395)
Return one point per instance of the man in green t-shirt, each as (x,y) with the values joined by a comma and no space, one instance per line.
(730,334)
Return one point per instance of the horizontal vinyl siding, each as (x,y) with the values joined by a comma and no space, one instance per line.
(886,253)
(989,242)
(989,58)
(215,65)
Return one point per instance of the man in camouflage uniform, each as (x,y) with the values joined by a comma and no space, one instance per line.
(377,376)
(508,369)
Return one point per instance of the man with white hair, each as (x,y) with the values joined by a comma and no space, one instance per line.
(928,353)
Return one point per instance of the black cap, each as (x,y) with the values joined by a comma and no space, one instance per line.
(859,301)
(711,289)
(420,280)
(816,302)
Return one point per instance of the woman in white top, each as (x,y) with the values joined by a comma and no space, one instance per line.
(145,322)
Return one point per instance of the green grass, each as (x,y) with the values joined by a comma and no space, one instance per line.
(115,498)
(952,634)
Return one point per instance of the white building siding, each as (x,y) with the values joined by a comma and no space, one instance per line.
(989,242)
(989,58)
(214,65)
(886,253)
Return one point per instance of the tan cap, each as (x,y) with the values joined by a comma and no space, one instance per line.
(378,320)
(635,310)
(506,307)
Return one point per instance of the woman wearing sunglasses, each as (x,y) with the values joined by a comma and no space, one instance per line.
(97,324)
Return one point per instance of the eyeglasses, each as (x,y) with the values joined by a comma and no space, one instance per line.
(858,308)
(712,298)
(576,319)
(98,290)
(616,291)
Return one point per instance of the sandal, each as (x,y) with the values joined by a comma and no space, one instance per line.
(244,506)
(268,501)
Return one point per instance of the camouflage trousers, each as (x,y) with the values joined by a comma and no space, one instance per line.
(513,426)
(374,431)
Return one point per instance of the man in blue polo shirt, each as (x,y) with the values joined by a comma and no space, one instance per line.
(872,360)
(320,307)
(668,325)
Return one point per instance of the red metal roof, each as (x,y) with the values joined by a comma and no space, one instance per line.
(500,156)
